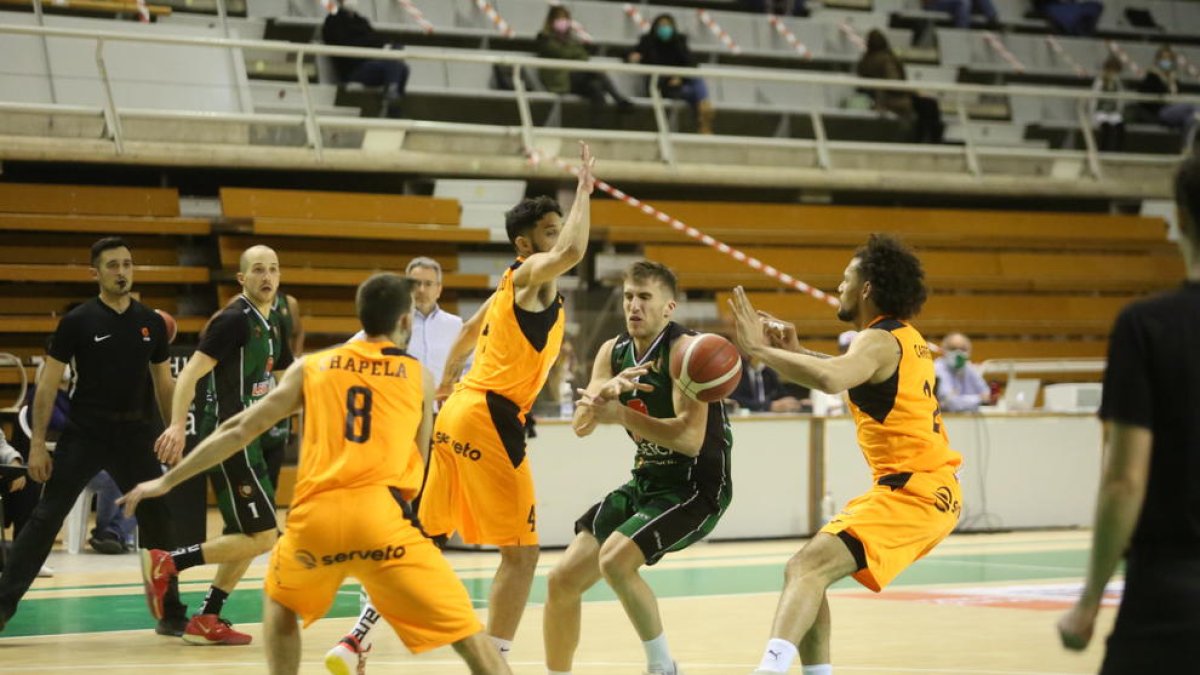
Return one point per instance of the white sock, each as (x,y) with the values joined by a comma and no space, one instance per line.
(367,621)
(502,646)
(658,655)
(823,669)
(778,656)
(558,672)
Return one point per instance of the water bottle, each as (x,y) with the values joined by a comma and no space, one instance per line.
(828,507)
(566,399)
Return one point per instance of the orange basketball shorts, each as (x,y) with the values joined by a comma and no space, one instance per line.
(897,522)
(479,483)
(367,533)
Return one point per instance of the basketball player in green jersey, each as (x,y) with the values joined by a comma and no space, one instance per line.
(681,479)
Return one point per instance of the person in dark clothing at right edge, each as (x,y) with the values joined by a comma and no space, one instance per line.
(664,45)
(347,28)
(1148,508)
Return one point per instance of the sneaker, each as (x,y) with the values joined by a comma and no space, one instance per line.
(171,625)
(45,572)
(157,569)
(674,671)
(347,657)
(210,629)
(106,545)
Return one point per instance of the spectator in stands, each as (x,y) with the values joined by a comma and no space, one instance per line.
(960,388)
(347,28)
(960,11)
(760,390)
(9,488)
(1161,79)
(1106,112)
(777,7)
(664,45)
(558,41)
(921,114)
(114,531)
(1071,17)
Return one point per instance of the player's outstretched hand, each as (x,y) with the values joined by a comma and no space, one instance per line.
(169,446)
(146,490)
(749,328)
(602,410)
(780,333)
(587,168)
(584,422)
(1076,626)
(624,382)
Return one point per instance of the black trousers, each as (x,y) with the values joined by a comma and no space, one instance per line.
(125,450)
(1158,625)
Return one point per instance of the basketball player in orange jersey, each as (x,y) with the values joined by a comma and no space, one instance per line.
(915,500)
(479,481)
(368,408)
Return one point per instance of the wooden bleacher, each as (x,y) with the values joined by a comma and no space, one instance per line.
(329,242)
(101,8)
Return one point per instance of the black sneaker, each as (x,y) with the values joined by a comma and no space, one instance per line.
(171,625)
(106,545)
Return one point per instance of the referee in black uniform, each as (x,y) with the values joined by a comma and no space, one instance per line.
(110,341)
(1149,504)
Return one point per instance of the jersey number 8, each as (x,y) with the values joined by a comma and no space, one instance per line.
(358,414)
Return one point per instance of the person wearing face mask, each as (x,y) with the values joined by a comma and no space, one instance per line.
(558,41)
(960,388)
(1161,79)
(664,45)
(347,28)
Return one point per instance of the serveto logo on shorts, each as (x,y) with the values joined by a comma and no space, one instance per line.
(944,501)
(376,554)
(306,559)
(461,449)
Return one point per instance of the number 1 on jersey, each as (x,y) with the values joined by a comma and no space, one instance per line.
(358,414)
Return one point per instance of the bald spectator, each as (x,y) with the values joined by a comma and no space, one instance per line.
(960,388)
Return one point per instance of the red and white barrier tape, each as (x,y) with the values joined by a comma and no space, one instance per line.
(852,35)
(329,6)
(788,36)
(636,17)
(497,20)
(417,15)
(1066,58)
(715,29)
(1124,57)
(143,11)
(678,225)
(995,43)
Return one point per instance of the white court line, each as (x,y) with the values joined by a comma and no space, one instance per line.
(1027,566)
(458,664)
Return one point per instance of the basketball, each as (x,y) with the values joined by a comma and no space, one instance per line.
(706,367)
(172,328)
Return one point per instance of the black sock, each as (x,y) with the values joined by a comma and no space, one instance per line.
(214,601)
(188,556)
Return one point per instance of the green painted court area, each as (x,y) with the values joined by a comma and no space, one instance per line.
(716,575)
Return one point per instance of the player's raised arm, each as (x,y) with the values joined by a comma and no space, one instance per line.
(873,354)
(233,435)
(571,245)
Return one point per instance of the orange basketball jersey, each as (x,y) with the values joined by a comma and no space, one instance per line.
(899,422)
(362,407)
(516,347)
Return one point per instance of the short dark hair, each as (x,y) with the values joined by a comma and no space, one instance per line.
(1187,199)
(381,301)
(642,270)
(896,276)
(107,244)
(522,218)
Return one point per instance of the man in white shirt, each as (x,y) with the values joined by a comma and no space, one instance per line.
(960,387)
(434,330)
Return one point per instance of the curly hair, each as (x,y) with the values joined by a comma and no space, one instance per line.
(522,218)
(896,276)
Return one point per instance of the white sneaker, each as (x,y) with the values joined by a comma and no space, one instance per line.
(675,670)
(46,572)
(347,657)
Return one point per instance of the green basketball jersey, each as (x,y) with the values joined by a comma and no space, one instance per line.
(708,472)
(281,313)
(247,347)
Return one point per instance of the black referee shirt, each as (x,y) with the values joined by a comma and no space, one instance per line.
(1153,381)
(109,354)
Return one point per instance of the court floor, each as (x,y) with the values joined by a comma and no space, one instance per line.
(979,605)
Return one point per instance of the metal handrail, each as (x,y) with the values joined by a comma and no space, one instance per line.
(517,63)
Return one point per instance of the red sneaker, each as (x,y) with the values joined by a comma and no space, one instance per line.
(210,629)
(157,569)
